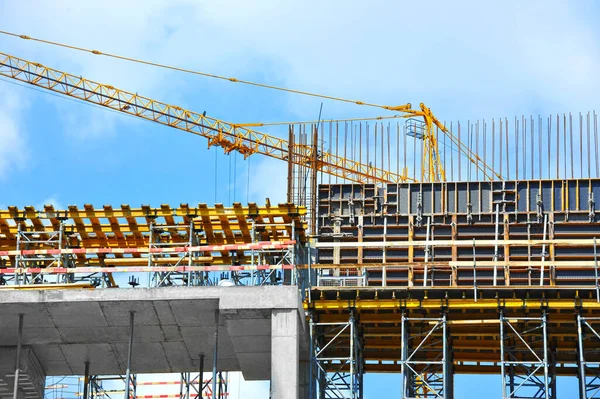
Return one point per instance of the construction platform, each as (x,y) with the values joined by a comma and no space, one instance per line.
(172,245)
(423,279)
(433,279)
(54,264)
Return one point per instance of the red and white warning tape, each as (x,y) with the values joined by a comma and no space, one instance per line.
(202,248)
(140,269)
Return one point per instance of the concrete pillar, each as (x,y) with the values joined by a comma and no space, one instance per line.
(304,379)
(285,354)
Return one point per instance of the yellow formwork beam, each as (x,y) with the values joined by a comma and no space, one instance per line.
(141,228)
(142,212)
(46,287)
(451,304)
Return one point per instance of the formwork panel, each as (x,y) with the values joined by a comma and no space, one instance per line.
(461,214)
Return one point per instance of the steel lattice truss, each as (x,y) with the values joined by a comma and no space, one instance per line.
(524,357)
(337,360)
(229,136)
(424,359)
(588,348)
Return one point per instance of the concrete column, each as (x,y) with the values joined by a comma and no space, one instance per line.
(285,354)
(304,379)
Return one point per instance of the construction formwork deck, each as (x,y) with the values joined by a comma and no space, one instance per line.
(473,324)
(91,244)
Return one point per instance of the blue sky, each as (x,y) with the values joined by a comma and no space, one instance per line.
(465,59)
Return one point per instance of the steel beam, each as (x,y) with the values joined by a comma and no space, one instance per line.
(86,380)
(129,355)
(18,358)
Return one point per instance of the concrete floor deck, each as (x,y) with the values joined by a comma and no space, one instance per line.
(172,327)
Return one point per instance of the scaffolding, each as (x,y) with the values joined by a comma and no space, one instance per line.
(184,246)
(337,362)
(425,365)
(524,359)
(429,280)
(28,241)
(162,236)
(588,340)
(186,387)
(464,277)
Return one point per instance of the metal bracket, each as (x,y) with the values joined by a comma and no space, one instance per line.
(469,213)
(419,218)
(352,212)
(539,205)
(592,213)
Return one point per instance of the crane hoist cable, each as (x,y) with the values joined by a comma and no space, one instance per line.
(313,122)
(206,74)
(431,167)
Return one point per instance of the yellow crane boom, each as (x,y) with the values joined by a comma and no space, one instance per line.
(229,136)
(239,137)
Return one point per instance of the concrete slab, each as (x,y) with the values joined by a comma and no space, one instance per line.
(246,327)
(193,313)
(172,327)
(257,365)
(165,313)
(102,354)
(72,314)
(42,335)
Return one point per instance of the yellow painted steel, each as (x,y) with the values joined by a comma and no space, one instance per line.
(46,287)
(374,118)
(431,167)
(238,137)
(229,136)
(474,327)
(457,304)
(205,74)
(184,210)
(455,243)
(130,228)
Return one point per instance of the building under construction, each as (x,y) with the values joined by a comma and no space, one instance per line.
(417,247)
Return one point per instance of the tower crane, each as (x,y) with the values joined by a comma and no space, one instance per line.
(239,137)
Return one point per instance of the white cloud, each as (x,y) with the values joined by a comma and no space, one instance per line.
(268,179)
(380,51)
(51,200)
(13,143)
(465,59)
